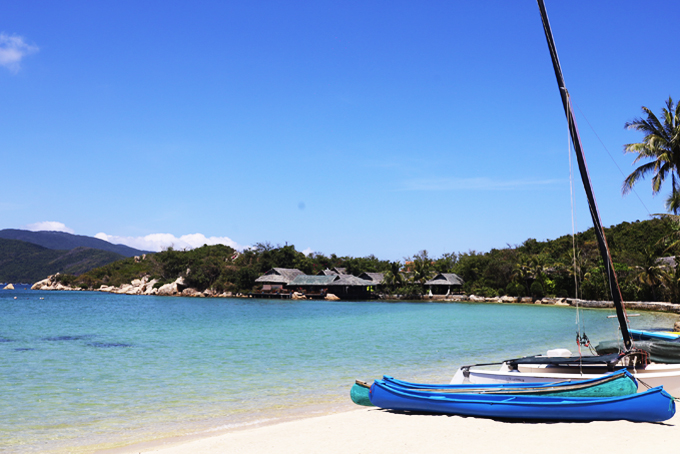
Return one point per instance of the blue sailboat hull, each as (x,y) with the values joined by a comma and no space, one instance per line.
(650,406)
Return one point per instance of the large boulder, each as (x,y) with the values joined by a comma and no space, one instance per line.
(191,292)
(148,287)
(168,290)
(40,284)
(173,288)
(8,287)
(331,297)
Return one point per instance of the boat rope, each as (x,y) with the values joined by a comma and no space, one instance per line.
(612,158)
(581,337)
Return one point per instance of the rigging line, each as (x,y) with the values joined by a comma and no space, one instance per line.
(573,243)
(608,269)
(612,158)
(573,226)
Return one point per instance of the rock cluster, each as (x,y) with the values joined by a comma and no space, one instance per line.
(504,299)
(143,286)
(51,283)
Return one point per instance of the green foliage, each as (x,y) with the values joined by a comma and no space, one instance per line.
(536,290)
(661,147)
(544,268)
(21,261)
(515,289)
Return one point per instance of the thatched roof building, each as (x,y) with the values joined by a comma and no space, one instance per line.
(278,277)
(375,278)
(333,271)
(305,280)
(445,281)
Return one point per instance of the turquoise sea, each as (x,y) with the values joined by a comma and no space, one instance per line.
(82,371)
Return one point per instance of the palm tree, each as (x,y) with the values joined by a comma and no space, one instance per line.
(650,272)
(661,144)
(422,267)
(393,277)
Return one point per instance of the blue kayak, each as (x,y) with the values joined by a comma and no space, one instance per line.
(650,406)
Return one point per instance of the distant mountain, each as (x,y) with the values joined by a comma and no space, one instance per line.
(21,261)
(67,241)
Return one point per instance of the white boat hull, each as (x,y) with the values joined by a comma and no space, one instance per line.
(666,375)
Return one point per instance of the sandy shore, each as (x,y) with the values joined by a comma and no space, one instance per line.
(380,431)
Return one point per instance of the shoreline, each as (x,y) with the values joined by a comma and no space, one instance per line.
(372,430)
(145,287)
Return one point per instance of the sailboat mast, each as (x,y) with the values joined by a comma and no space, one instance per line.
(585,177)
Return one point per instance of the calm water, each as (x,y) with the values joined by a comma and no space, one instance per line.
(80,371)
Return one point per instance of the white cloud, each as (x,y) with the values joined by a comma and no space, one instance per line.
(158,241)
(12,50)
(50,226)
(308,251)
(484,183)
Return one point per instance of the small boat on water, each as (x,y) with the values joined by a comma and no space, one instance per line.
(615,384)
(650,406)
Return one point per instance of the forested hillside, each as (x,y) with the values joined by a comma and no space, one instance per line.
(534,268)
(25,262)
(66,241)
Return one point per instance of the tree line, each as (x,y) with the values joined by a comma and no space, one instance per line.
(533,268)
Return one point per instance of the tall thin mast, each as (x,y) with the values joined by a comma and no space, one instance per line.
(594,213)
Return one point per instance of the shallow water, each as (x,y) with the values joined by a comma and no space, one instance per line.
(81,371)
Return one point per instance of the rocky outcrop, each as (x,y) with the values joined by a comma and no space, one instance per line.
(174,288)
(51,283)
(331,297)
(477,299)
(8,287)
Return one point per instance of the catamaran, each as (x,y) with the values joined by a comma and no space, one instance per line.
(653,359)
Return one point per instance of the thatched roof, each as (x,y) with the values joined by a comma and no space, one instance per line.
(445,279)
(305,280)
(377,278)
(348,280)
(334,271)
(279,276)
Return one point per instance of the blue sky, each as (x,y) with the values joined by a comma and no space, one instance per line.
(352,128)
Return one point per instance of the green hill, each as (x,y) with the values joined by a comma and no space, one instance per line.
(66,241)
(26,262)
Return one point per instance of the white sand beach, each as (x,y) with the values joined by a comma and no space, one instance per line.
(375,431)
